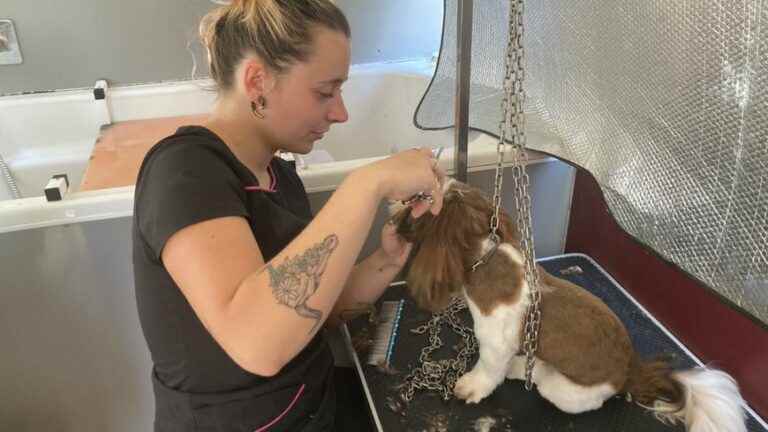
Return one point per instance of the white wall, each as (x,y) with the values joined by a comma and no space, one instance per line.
(73,43)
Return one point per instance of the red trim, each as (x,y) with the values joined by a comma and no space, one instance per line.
(272,183)
(258,189)
(287,410)
(715,331)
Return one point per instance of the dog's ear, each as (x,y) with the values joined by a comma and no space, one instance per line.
(444,245)
(436,274)
(437,270)
(404,223)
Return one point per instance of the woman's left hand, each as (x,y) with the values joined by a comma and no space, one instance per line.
(395,248)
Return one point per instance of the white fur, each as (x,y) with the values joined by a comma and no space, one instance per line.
(498,335)
(512,253)
(447,184)
(712,402)
(560,390)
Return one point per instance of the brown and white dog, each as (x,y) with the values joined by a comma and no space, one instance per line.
(584,354)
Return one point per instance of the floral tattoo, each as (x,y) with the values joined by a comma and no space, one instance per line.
(296,280)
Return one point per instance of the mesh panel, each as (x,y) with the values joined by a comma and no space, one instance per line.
(664,102)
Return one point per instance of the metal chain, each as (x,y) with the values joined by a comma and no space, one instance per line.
(507,97)
(440,375)
(513,124)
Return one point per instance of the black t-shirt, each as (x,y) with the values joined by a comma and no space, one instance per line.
(187,178)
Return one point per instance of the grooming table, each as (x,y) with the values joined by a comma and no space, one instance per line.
(511,407)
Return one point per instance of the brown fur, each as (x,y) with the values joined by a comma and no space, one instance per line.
(495,283)
(447,244)
(579,336)
(649,381)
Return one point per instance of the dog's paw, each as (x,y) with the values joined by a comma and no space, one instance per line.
(473,387)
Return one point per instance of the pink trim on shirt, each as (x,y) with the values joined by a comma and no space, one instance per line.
(272,183)
(278,418)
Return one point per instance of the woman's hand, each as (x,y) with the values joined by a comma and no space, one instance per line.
(405,174)
(395,248)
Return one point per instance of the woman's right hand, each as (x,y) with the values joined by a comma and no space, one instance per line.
(405,174)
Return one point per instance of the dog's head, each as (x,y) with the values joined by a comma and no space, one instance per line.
(446,245)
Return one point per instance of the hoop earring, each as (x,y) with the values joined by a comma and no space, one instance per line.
(257,110)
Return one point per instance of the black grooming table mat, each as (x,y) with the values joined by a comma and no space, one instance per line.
(511,407)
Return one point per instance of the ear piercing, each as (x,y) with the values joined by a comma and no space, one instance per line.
(257,110)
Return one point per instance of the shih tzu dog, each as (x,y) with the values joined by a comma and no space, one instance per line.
(584,354)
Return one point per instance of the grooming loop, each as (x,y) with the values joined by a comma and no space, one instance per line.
(495,242)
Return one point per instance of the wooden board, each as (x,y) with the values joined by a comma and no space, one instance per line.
(121,147)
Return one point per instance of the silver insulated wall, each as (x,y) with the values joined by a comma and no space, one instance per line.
(664,102)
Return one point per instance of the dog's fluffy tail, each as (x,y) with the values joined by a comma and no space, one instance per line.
(704,399)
